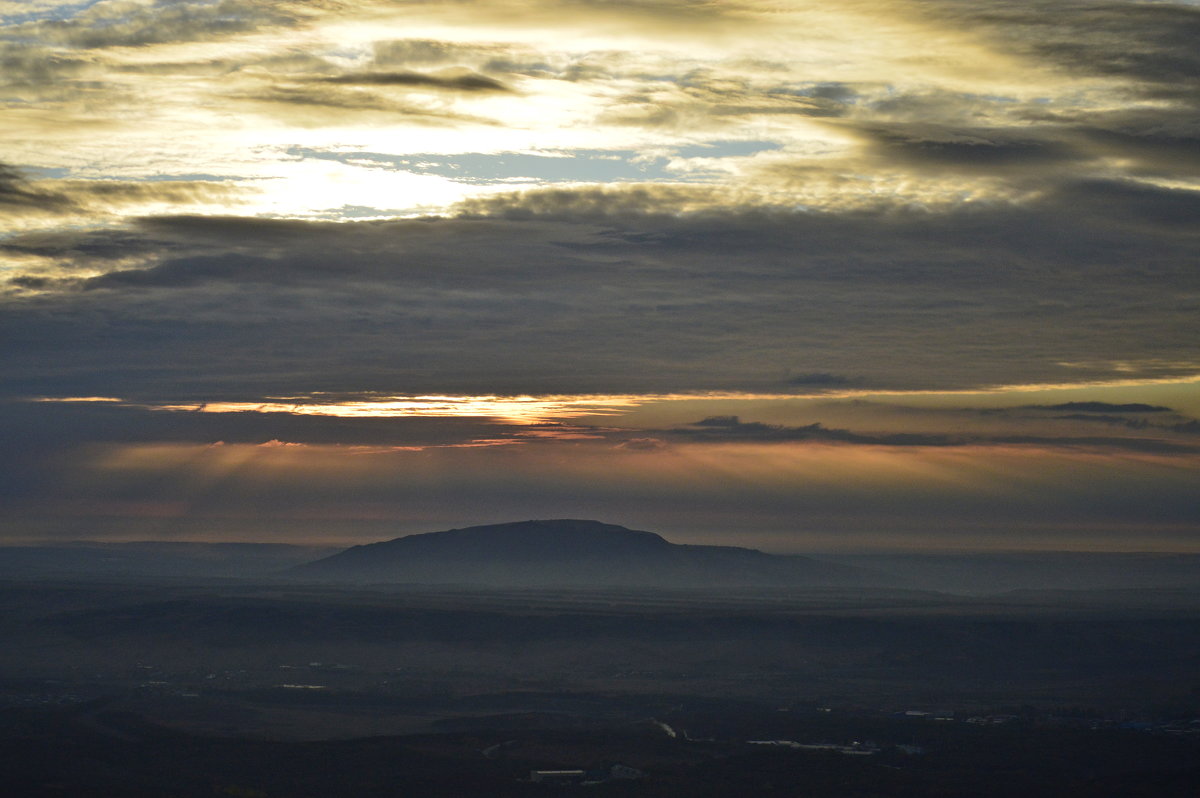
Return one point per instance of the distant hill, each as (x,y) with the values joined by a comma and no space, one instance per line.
(568,552)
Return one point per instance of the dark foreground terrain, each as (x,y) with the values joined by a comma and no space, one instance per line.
(226,688)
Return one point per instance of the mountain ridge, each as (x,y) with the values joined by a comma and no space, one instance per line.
(566,551)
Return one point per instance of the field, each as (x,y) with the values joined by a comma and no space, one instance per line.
(194,688)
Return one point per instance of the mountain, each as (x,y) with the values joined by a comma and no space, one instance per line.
(569,552)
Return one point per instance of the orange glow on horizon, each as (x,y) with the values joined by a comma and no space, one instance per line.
(517,410)
(532,409)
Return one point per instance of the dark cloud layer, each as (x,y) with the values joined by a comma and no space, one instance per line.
(969,149)
(18,195)
(320,105)
(568,291)
(162,21)
(819,378)
(1152,44)
(731,429)
(467,82)
(1104,407)
(50,199)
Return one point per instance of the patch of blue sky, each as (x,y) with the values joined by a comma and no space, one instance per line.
(575,166)
(67,173)
(44,172)
(484,168)
(993,98)
(54,12)
(726,149)
(346,212)
(197,177)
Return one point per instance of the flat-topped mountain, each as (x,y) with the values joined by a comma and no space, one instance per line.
(567,552)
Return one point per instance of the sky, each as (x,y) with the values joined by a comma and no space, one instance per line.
(804,276)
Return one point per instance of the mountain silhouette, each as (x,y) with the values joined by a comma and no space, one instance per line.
(568,552)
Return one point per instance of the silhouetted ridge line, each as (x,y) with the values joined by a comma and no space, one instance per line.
(566,552)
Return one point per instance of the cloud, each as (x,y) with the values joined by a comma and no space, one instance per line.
(469,82)
(643,444)
(196,271)
(46,203)
(125,192)
(136,24)
(580,204)
(713,99)
(1103,407)
(310,106)
(818,378)
(632,294)
(731,429)
(31,71)
(1149,44)
(431,51)
(1133,415)
(857,118)
(925,146)
(18,195)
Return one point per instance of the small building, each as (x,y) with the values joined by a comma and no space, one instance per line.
(557,776)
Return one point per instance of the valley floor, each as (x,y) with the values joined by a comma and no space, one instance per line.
(237,688)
